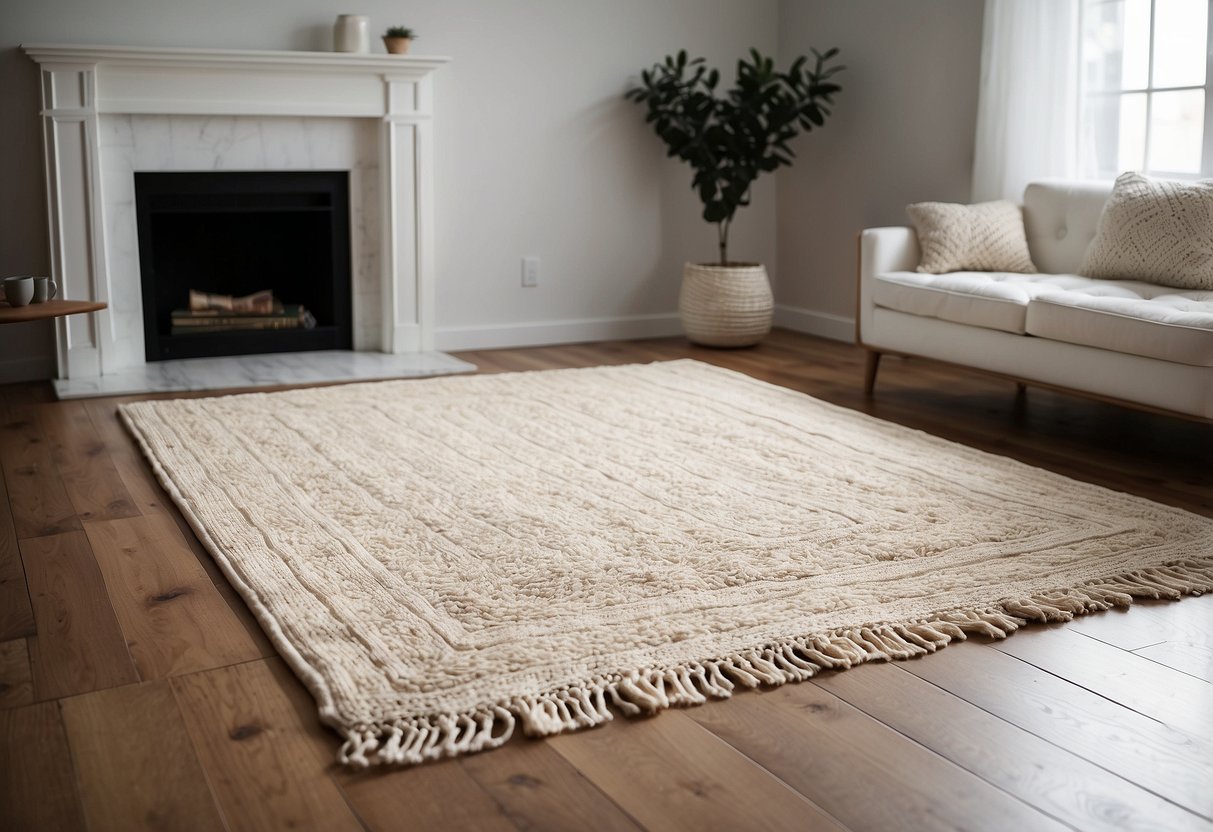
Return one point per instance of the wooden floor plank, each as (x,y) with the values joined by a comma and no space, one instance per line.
(1152,622)
(134,763)
(1190,621)
(263,765)
(16,678)
(439,795)
(1171,697)
(136,475)
(837,756)
(713,785)
(37,784)
(173,618)
(16,613)
(1063,785)
(1184,656)
(88,473)
(37,498)
(539,789)
(79,646)
(1168,762)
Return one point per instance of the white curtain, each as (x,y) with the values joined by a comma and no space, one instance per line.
(1028,108)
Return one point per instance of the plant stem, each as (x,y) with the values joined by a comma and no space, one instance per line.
(722,234)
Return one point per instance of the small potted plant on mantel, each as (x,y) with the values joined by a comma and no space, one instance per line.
(398,38)
(729,141)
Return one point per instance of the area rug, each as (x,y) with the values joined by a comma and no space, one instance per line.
(442,560)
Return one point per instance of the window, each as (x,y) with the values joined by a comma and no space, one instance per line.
(1144,87)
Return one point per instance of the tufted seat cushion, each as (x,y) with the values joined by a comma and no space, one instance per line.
(1122,315)
(1125,316)
(994,300)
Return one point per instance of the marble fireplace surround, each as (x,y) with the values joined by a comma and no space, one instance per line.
(110,111)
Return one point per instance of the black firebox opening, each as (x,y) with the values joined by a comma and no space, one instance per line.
(236,234)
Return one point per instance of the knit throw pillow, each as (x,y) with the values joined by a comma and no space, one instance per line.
(987,237)
(1156,231)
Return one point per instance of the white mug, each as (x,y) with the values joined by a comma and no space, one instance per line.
(18,291)
(44,289)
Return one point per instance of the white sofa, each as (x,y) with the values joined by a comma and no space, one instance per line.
(1138,344)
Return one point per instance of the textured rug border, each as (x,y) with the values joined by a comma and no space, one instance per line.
(415,739)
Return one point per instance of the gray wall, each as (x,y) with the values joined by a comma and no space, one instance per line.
(27,351)
(902,132)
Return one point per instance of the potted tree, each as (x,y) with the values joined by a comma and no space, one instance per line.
(729,140)
(397,39)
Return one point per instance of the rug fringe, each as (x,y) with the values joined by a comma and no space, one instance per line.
(415,740)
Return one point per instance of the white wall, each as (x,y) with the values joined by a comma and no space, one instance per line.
(902,132)
(538,153)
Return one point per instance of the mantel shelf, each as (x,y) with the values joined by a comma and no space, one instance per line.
(219,59)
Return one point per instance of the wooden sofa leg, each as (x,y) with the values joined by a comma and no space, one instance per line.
(1021,389)
(871,363)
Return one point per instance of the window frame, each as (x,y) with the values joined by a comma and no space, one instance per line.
(1150,90)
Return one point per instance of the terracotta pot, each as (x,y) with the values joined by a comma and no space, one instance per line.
(726,306)
(397,46)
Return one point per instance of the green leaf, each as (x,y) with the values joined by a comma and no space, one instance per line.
(715,211)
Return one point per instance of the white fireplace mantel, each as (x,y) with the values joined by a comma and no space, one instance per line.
(82,83)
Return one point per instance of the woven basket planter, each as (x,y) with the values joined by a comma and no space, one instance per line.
(725,306)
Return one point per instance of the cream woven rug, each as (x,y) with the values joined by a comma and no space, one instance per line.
(442,560)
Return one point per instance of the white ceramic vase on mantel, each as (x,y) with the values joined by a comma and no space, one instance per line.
(352,33)
(725,306)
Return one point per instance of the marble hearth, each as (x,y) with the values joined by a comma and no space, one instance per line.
(242,371)
(111,111)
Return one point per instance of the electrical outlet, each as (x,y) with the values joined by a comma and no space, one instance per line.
(530,271)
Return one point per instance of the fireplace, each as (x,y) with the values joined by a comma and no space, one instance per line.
(111,111)
(236,234)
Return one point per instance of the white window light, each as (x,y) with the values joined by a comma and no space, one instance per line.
(1145,80)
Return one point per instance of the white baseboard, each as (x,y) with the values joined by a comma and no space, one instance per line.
(578,330)
(812,322)
(568,331)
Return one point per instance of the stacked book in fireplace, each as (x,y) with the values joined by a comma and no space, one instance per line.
(224,313)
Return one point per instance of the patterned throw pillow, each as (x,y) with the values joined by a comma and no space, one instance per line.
(1156,231)
(987,237)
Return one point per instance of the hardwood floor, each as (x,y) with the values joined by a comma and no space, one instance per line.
(136,691)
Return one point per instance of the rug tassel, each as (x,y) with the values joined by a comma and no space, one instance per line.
(419,739)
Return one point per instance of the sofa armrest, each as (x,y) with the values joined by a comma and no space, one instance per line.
(881,250)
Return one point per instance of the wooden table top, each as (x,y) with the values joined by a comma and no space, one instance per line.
(49,309)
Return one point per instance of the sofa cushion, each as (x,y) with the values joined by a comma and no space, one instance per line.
(1060,219)
(987,237)
(1157,231)
(1124,316)
(994,300)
